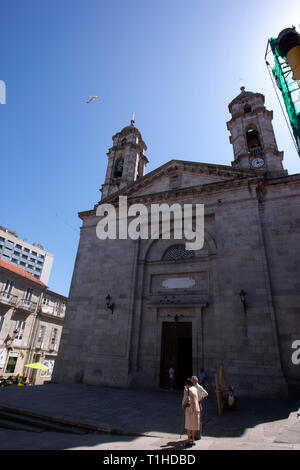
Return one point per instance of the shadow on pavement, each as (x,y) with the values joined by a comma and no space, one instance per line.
(154,412)
(176,445)
(248,414)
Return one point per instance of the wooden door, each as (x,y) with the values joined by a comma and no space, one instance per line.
(176,351)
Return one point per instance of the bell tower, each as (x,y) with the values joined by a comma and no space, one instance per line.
(126,160)
(252,134)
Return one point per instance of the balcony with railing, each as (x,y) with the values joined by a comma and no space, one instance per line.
(26,305)
(53,346)
(53,310)
(39,343)
(8,299)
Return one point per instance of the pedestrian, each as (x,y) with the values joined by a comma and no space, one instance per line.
(22,381)
(202,377)
(201,395)
(172,377)
(191,408)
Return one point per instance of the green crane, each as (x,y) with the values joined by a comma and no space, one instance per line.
(285,70)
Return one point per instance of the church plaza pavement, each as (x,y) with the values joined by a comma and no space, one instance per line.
(126,419)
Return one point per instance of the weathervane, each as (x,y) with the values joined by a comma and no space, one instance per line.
(133,115)
(241,80)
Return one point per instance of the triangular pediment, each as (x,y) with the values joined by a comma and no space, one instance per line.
(179,174)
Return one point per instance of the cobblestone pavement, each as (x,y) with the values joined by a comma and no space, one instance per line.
(145,420)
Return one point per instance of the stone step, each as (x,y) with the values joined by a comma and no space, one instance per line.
(8,424)
(17,420)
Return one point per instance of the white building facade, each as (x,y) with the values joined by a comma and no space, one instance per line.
(31,320)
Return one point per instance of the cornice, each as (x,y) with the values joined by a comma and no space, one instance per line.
(178,192)
(121,146)
(243,116)
(283,179)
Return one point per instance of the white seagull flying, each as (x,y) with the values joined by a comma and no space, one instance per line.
(91,98)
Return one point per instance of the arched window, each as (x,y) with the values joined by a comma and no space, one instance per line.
(253,141)
(247,109)
(119,168)
(178,252)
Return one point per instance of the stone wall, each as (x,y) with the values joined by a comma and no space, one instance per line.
(251,240)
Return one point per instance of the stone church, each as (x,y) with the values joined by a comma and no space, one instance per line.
(136,307)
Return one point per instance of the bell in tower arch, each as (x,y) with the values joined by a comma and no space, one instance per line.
(253,141)
(119,168)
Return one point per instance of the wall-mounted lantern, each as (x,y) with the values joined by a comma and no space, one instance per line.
(242,295)
(109,305)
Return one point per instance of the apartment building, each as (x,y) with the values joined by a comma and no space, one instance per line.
(31,321)
(30,257)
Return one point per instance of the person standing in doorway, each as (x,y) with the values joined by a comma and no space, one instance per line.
(172,377)
(202,377)
(201,395)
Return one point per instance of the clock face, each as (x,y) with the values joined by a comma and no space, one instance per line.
(257,162)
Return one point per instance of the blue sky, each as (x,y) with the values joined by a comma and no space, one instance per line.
(177,64)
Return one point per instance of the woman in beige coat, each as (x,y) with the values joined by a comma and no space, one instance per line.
(192,412)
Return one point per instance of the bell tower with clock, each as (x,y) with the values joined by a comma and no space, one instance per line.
(252,134)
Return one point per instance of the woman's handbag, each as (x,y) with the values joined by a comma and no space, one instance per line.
(187,401)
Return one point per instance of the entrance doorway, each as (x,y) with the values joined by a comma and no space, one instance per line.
(176,350)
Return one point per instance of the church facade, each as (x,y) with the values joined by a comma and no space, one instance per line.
(138,306)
